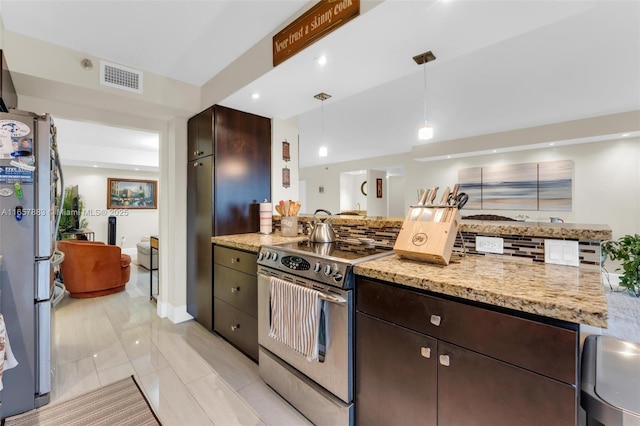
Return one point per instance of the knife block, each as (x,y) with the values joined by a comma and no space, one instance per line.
(428,234)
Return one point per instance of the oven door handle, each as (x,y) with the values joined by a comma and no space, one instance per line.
(332,298)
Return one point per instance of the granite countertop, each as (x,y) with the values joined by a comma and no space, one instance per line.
(538,229)
(252,242)
(555,291)
(578,231)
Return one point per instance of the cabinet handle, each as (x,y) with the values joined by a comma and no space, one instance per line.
(235,259)
(444,360)
(435,320)
(235,289)
(196,164)
(235,327)
(425,352)
(195,152)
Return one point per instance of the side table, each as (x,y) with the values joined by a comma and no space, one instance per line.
(153,245)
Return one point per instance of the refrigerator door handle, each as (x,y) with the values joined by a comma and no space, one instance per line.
(43,280)
(43,350)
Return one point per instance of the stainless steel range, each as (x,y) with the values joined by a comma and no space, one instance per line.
(321,389)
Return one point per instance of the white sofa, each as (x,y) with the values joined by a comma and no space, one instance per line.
(144,257)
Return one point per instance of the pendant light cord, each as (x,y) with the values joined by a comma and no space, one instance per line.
(424,68)
(322,121)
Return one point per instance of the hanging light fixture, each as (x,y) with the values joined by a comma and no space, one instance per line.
(322,152)
(426,131)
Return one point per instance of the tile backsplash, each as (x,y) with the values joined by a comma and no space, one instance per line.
(523,247)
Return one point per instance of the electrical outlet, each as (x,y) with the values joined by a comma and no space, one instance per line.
(489,244)
(561,252)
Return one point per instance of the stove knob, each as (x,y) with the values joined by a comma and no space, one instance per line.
(260,256)
(274,256)
(267,255)
(337,277)
(327,270)
(316,268)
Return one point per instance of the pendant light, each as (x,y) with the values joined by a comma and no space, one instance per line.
(322,152)
(426,131)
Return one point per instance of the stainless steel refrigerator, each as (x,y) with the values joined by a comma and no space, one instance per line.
(29,177)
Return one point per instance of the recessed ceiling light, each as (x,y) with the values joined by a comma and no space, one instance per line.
(137,168)
(95,165)
(448,156)
(551,143)
(624,135)
(255,96)
(322,60)
(322,152)
(495,150)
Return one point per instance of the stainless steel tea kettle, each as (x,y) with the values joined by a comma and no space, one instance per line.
(321,232)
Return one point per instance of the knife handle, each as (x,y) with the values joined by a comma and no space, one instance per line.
(445,196)
(454,194)
(423,197)
(432,196)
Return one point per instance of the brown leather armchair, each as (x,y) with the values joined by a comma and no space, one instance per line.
(93,269)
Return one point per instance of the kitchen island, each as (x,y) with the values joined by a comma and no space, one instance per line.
(487,339)
(484,340)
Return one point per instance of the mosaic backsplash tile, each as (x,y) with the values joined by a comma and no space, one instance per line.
(522,240)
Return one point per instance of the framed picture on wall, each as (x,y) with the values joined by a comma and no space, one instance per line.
(378,188)
(132,194)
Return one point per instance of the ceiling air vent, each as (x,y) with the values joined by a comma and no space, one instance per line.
(120,77)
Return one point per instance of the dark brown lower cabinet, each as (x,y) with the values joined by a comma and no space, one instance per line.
(396,377)
(408,371)
(235,298)
(474,389)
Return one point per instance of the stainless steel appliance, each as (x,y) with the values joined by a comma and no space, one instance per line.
(610,381)
(322,390)
(29,170)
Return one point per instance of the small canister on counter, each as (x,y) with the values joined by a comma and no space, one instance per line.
(266,217)
(289,226)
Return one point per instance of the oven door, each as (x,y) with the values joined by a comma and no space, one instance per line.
(334,370)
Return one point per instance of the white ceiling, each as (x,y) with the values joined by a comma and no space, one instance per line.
(501,65)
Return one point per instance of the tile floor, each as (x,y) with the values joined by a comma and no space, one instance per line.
(190,376)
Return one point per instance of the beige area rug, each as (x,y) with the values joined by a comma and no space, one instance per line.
(624,315)
(120,403)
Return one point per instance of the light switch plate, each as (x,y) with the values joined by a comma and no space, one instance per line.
(489,244)
(561,252)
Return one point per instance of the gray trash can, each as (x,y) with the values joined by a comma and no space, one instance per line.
(610,385)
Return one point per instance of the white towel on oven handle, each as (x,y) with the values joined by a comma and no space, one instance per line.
(7,360)
(295,316)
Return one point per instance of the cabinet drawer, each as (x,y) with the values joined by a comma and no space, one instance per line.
(238,289)
(547,349)
(238,328)
(236,259)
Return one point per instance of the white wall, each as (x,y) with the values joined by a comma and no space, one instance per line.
(396,201)
(132,224)
(282,130)
(351,197)
(606,187)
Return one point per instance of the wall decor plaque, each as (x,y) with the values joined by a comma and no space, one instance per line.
(324,17)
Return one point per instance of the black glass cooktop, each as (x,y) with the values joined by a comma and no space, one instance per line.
(339,249)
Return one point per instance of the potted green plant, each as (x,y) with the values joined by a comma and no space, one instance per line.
(67,208)
(626,250)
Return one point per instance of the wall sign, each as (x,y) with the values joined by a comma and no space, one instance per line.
(317,22)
